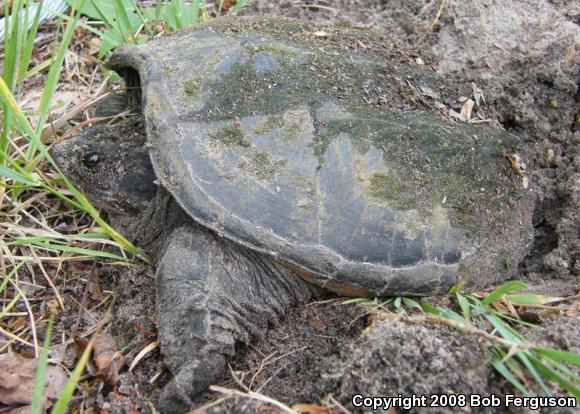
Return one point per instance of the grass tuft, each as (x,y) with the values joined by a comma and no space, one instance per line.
(514,357)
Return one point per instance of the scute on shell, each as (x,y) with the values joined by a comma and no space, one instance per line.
(320,154)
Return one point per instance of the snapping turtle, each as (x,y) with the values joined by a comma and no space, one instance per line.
(270,152)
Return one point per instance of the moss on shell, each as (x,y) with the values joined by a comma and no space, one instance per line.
(192,87)
(231,135)
(436,162)
(277,50)
(268,125)
(262,166)
(393,191)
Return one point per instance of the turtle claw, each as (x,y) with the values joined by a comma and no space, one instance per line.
(211,295)
(191,379)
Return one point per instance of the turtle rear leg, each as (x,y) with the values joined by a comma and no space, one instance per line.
(212,294)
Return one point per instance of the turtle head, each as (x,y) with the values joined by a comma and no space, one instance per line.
(111,165)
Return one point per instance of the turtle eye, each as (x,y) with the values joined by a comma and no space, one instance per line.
(92,159)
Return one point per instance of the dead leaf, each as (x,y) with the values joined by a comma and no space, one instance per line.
(227,5)
(321,33)
(108,360)
(428,92)
(550,154)
(146,327)
(18,375)
(95,288)
(573,310)
(313,409)
(80,341)
(519,168)
(148,348)
(477,94)
(466,109)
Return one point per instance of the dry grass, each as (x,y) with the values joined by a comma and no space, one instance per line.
(48,248)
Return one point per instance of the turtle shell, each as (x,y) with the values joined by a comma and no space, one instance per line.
(316,146)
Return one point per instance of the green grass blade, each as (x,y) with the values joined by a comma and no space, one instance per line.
(411,303)
(40,379)
(124,22)
(79,250)
(512,319)
(427,307)
(38,68)
(502,290)
(31,37)
(524,357)
(504,330)
(195,11)
(178,13)
(17,177)
(557,378)
(102,14)
(9,276)
(558,354)
(457,287)
(53,77)
(139,13)
(511,335)
(7,308)
(384,303)
(524,299)
(12,107)
(464,305)
(239,4)
(12,43)
(501,368)
(158,9)
(61,405)
(563,369)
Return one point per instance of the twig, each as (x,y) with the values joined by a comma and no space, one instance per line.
(150,347)
(437,15)
(88,122)
(459,326)
(254,396)
(433,23)
(204,407)
(333,401)
(31,315)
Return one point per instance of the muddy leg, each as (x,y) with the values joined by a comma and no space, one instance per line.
(212,294)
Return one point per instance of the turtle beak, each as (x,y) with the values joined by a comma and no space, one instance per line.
(67,156)
(61,154)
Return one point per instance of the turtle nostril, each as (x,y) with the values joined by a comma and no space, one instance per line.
(92,159)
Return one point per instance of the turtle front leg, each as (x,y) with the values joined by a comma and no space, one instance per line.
(211,294)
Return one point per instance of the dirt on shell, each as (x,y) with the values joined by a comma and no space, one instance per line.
(523,56)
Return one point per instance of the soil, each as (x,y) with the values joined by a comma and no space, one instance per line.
(523,55)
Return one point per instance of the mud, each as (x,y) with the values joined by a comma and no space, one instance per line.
(523,55)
